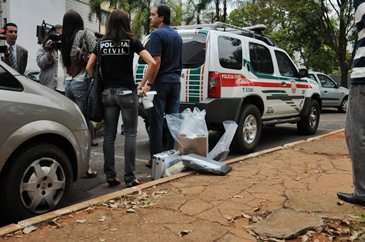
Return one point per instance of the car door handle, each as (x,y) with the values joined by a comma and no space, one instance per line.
(325,91)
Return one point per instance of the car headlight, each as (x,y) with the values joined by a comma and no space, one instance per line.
(83,123)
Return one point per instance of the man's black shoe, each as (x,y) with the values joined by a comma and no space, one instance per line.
(132,183)
(112,182)
(350,198)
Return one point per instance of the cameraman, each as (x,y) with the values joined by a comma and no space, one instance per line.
(49,61)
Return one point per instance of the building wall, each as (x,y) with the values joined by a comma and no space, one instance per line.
(27,15)
(82,7)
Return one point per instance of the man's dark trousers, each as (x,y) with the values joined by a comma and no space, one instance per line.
(166,101)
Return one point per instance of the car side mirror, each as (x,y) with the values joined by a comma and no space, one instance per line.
(303,72)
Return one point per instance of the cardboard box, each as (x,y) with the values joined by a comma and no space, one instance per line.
(196,145)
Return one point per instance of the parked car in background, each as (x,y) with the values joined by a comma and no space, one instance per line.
(33,75)
(44,146)
(332,95)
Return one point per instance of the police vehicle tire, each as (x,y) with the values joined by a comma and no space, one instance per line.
(249,130)
(40,172)
(309,123)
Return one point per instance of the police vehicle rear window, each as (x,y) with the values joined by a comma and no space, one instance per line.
(230,52)
(193,49)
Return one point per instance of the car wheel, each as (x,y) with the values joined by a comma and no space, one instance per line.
(309,123)
(37,181)
(249,130)
(344,105)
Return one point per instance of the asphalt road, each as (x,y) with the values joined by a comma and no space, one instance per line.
(272,136)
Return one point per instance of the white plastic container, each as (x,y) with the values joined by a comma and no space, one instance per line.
(147,100)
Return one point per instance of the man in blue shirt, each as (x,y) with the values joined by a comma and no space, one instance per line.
(165,45)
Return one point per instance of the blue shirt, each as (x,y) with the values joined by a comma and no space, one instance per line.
(167,43)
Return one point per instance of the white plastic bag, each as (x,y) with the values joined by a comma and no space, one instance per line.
(221,149)
(190,131)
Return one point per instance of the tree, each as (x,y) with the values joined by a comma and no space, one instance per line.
(307,27)
(337,31)
(193,10)
(95,8)
(137,8)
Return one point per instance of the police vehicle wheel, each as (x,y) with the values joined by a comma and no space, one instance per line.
(249,130)
(309,123)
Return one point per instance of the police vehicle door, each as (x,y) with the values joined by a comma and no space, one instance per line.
(293,87)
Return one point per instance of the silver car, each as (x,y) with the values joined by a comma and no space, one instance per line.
(44,146)
(332,95)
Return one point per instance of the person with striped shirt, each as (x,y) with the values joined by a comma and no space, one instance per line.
(355,119)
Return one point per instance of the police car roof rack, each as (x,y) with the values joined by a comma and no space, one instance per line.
(254,31)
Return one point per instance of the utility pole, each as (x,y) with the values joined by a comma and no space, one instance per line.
(1,14)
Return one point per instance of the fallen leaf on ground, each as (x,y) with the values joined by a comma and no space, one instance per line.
(81,221)
(256,209)
(113,205)
(229,218)
(246,215)
(55,223)
(29,229)
(90,209)
(102,219)
(182,233)
(159,192)
(131,210)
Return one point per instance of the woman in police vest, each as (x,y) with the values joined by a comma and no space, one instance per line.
(115,53)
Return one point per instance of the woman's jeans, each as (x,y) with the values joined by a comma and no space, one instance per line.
(115,101)
(77,89)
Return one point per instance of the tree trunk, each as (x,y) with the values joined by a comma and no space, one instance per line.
(224,11)
(147,23)
(342,44)
(217,11)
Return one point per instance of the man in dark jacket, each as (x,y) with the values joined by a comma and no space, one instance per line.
(16,56)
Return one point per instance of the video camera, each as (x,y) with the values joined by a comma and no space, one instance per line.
(47,31)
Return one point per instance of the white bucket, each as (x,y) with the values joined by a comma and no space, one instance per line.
(147,100)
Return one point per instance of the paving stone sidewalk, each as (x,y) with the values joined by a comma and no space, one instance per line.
(287,194)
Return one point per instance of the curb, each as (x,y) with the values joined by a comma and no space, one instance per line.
(11,228)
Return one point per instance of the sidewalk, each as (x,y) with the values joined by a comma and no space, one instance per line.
(290,193)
